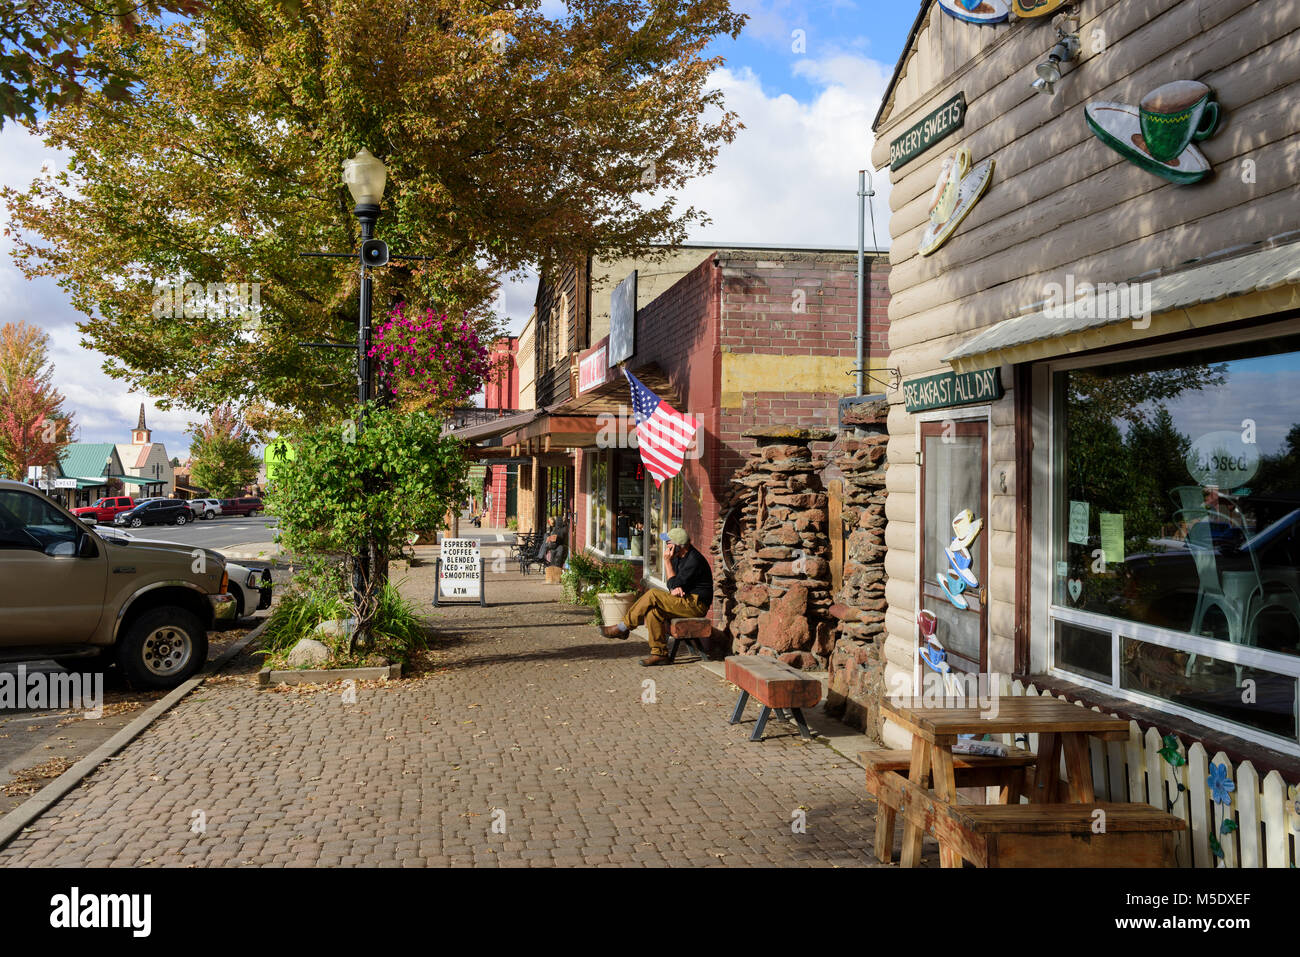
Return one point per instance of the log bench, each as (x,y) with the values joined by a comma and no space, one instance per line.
(777,687)
(690,631)
(1029,835)
(970,770)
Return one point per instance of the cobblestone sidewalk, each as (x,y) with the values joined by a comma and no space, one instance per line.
(529,744)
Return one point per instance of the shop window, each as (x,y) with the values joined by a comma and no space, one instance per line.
(629,504)
(598,533)
(1177,533)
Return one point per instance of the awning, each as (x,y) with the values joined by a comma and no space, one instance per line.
(551,432)
(490,430)
(1228,289)
(135,480)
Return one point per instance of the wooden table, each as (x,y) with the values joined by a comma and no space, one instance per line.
(1062,728)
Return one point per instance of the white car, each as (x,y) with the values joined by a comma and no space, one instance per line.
(250,586)
(206,507)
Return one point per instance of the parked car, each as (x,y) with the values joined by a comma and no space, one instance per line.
(208,508)
(158,511)
(251,588)
(241,506)
(106,509)
(89,597)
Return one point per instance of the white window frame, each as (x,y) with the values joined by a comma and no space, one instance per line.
(1045,612)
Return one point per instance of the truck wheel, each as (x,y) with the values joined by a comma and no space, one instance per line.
(162,648)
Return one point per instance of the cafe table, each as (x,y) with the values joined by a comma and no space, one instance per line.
(1062,729)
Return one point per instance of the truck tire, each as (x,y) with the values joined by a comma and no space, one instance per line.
(162,648)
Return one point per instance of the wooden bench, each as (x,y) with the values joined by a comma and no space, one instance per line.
(1031,835)
(777,686)
(692,632)
(970,770)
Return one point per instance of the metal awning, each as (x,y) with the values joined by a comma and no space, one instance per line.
(496,427)
(1227,289)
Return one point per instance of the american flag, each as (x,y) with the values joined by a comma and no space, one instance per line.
(663,433)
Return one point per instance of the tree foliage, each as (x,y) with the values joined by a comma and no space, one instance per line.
(371,487)
(511,138)
(33,424)
(221,455)
(47,59)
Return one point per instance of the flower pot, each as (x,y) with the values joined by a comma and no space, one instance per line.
(614,605)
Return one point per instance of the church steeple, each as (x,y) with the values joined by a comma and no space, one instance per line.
(142,435)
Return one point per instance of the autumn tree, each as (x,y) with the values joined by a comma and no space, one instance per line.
(512,139)
(33,424)
(221,455)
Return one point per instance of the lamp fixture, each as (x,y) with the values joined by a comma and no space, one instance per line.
(365,176)
(1067,49)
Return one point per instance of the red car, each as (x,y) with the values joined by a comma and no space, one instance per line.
(241,506)
(106,509)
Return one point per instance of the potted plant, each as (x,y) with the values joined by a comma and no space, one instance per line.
(616,591)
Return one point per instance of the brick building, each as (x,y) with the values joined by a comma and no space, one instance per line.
(740,337)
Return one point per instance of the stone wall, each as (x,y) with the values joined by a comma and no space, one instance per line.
(857,659)
(777,596)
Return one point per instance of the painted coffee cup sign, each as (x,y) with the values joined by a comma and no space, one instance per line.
(977,11)
(1174,115)
(943,122)
(1036,8)
(1223,460)
(1158,135)
(961,575)
(957,190)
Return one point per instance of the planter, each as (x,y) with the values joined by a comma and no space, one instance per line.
(614,605)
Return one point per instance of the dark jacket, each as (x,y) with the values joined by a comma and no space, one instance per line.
(693,576)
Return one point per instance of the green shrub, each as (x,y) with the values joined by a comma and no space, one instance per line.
(617,577)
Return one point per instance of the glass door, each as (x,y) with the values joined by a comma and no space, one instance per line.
(954,537)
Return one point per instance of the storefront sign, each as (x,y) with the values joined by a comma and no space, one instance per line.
(593,369)
(65,483)
(958,188)
(950,388)
(622,321)
(944,121)
(460,569)
(1160,133)
(1223,460)
(1035,8)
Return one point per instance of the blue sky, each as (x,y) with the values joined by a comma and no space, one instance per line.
(789,178)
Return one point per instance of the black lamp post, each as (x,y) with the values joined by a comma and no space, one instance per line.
(366,176)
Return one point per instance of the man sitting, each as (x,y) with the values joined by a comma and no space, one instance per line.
(689,595)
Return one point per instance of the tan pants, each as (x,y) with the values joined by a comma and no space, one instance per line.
(657,608)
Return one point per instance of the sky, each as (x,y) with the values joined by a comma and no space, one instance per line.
(806,79)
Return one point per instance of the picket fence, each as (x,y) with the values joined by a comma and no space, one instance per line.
(1266,813)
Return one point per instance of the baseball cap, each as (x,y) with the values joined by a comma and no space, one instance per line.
(677,536)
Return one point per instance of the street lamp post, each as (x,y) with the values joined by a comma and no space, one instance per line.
(366,176)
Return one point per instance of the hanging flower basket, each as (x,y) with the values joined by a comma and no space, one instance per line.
(429,353)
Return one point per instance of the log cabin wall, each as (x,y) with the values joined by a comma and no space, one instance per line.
(1062,202)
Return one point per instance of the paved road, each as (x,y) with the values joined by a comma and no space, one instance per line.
(527,719)
(217,533)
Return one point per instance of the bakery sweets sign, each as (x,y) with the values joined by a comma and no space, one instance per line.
(950,388)
(944,121)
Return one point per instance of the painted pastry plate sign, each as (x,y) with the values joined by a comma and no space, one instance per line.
(951,389)
(977,11)
(944,121)
(1036,8)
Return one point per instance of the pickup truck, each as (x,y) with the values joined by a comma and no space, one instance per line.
(88,597)
(106,509)
(241,506)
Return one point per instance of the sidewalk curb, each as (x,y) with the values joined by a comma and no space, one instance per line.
(16,820)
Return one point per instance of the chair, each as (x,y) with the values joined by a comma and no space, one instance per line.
(1240,596)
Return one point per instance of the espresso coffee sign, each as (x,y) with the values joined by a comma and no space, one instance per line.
(950,388)
(943,122)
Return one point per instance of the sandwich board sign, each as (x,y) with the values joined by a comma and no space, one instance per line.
(460,570)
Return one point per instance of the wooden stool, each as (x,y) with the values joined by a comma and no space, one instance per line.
(777,686)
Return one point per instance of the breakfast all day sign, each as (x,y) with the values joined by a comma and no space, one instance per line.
(950,388)
(943,122)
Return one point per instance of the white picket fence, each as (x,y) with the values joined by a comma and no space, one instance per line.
(1268,825)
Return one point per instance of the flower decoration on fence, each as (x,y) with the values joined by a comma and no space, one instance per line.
(1221,788)
(1174,758)
(429,353)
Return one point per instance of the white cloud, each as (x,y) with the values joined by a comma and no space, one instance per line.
(790,177)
